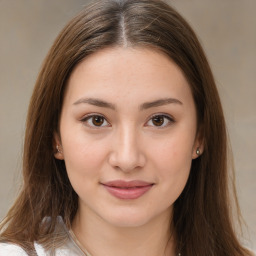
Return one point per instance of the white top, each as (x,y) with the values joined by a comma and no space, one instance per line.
(66,250)
(71,247)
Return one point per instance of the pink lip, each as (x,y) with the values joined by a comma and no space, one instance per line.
(127,189)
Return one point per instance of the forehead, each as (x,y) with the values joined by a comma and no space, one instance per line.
(120,72)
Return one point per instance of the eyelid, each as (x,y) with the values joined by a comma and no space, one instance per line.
(85,118)
(167,116)
(88,116)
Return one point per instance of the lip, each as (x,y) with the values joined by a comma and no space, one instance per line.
(127,189)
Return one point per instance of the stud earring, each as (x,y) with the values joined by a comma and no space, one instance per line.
(58,149)
(198,151)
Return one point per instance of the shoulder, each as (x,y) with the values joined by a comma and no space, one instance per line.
(7,249)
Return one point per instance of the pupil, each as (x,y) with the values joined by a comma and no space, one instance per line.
(98,120)
(158,120)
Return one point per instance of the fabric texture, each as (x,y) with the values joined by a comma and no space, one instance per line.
(68,248)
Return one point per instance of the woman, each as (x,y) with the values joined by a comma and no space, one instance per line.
(125,150)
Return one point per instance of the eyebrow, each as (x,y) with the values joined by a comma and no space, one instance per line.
(160,102)
(144,106)
(95,102)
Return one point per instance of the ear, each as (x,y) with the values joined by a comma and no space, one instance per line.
(57,147)
(198,147)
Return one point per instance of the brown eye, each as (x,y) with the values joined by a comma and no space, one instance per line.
(98,120)
(95,121)
(158,120)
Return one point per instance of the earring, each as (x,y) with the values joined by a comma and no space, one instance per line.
(58,149)
(198,151)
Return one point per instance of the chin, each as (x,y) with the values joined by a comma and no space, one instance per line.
(129,218)
(129,222)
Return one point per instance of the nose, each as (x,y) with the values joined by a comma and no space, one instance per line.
(127,154)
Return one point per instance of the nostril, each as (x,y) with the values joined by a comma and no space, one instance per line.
(127,154)
(127,162)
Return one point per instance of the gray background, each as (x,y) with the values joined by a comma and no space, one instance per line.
(227,30)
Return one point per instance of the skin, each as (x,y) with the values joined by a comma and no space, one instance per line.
(127,144)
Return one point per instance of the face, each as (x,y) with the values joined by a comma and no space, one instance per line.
(127,135)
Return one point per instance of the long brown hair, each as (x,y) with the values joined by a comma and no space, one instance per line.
(202,217)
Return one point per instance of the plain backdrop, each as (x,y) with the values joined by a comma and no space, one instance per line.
(227,31)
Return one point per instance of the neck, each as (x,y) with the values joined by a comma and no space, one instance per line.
(101,238)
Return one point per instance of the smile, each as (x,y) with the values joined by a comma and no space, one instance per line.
(127,190)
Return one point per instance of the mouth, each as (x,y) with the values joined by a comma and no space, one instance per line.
(127,189)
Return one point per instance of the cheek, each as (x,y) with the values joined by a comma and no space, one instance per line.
(175,149)
(84,166)
(173,174)
(172,159)
(82,156)
(174,165)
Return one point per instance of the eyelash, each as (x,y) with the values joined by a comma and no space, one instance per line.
(89,117)
(166,118)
